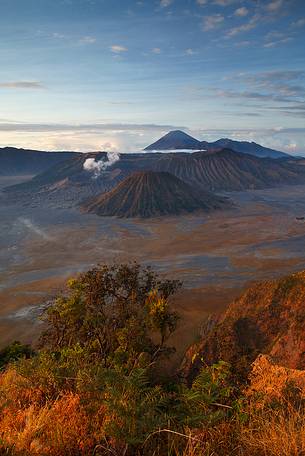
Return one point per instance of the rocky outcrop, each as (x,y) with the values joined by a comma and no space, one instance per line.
(268,319)
(269,381)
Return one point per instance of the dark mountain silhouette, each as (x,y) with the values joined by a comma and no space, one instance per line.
(269,318)
(180,140)
(14,162)
(68,183)
(151,194)
(176,139)
(248,148)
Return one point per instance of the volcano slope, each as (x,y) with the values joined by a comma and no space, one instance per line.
(227,170)
(68,183)
(268,318)
(151,194)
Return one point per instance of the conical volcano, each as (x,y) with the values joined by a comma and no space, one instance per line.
(176,139)
(153,194)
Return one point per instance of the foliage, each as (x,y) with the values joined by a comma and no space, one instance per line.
(94,386)
(210,397)
(13,352)
(115,313)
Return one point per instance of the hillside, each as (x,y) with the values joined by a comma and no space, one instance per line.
(14,162)
(226,170)
(179,140)
(269,318)
(151,194)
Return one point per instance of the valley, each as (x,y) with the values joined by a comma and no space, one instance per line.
(216,255)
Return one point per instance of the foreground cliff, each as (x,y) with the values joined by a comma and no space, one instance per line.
(269,318)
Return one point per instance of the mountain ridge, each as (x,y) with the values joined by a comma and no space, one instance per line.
(177,139)
(17,161)
(68,183)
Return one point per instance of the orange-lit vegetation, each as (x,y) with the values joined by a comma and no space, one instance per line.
(98,383)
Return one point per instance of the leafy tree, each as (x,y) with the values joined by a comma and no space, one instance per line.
(101,349)
(116,312)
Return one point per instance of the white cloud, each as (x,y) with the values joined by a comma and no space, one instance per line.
(190,51)
(244,27)
(117,49)
(202,2)
(22,85)
(271,44)
(59,36)
(299,23)
(241,12)
(87,40)
(243,43)
(156,50)
(211,22)
(92,127)
(275,5)
(165,3)
(224,2)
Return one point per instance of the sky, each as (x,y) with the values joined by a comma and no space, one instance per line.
(117,74)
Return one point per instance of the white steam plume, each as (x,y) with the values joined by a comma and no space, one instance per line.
(98,166)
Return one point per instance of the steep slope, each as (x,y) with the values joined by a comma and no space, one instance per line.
(269,318)
(149,194)
(225,170)
(14,162)
(176,139)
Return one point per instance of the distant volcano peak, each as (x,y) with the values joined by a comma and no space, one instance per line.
(179,140)
(175,139)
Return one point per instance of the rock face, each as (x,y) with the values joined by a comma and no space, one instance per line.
(269,318)
(180,140)
(151,194)
(271,381)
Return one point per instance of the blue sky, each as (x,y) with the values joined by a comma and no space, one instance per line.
(110,74)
